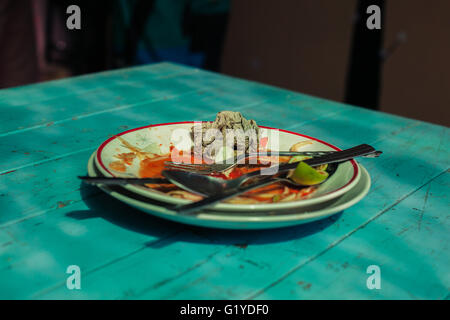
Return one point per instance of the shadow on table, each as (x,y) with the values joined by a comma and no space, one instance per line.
(108,208)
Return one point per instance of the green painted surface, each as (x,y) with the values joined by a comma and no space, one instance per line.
(49,220)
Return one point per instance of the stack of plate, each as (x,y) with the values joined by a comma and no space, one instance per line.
(348,185)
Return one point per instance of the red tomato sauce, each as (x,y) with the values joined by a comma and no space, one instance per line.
(153,167)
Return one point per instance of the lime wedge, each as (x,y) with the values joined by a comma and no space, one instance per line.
(307,175)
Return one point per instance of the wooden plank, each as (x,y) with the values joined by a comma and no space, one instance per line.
(38,251)
(34,93)
(53,141)
(285,242)
(37,190)
(106,95)
(409,243)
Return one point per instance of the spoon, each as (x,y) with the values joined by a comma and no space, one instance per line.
(194,207)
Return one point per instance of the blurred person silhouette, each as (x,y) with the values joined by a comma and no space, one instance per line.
(113,34)
(121,33)
(18,57)
(190,32)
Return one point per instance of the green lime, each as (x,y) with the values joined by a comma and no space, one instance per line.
(307,175)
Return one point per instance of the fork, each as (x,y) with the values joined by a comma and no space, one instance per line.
(233,187)
(204,168)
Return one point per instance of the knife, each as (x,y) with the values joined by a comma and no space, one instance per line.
(123,181)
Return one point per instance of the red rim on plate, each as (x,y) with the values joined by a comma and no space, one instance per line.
(105,143)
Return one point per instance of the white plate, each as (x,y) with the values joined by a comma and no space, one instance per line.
(346,176)
(243,219)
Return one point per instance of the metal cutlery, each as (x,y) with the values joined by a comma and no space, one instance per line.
(123,181)
(222,167)
(207,185)
(230,188)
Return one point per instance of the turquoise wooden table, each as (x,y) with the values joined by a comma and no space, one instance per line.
(50,221)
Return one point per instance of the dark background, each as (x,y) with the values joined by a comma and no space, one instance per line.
(318,47)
